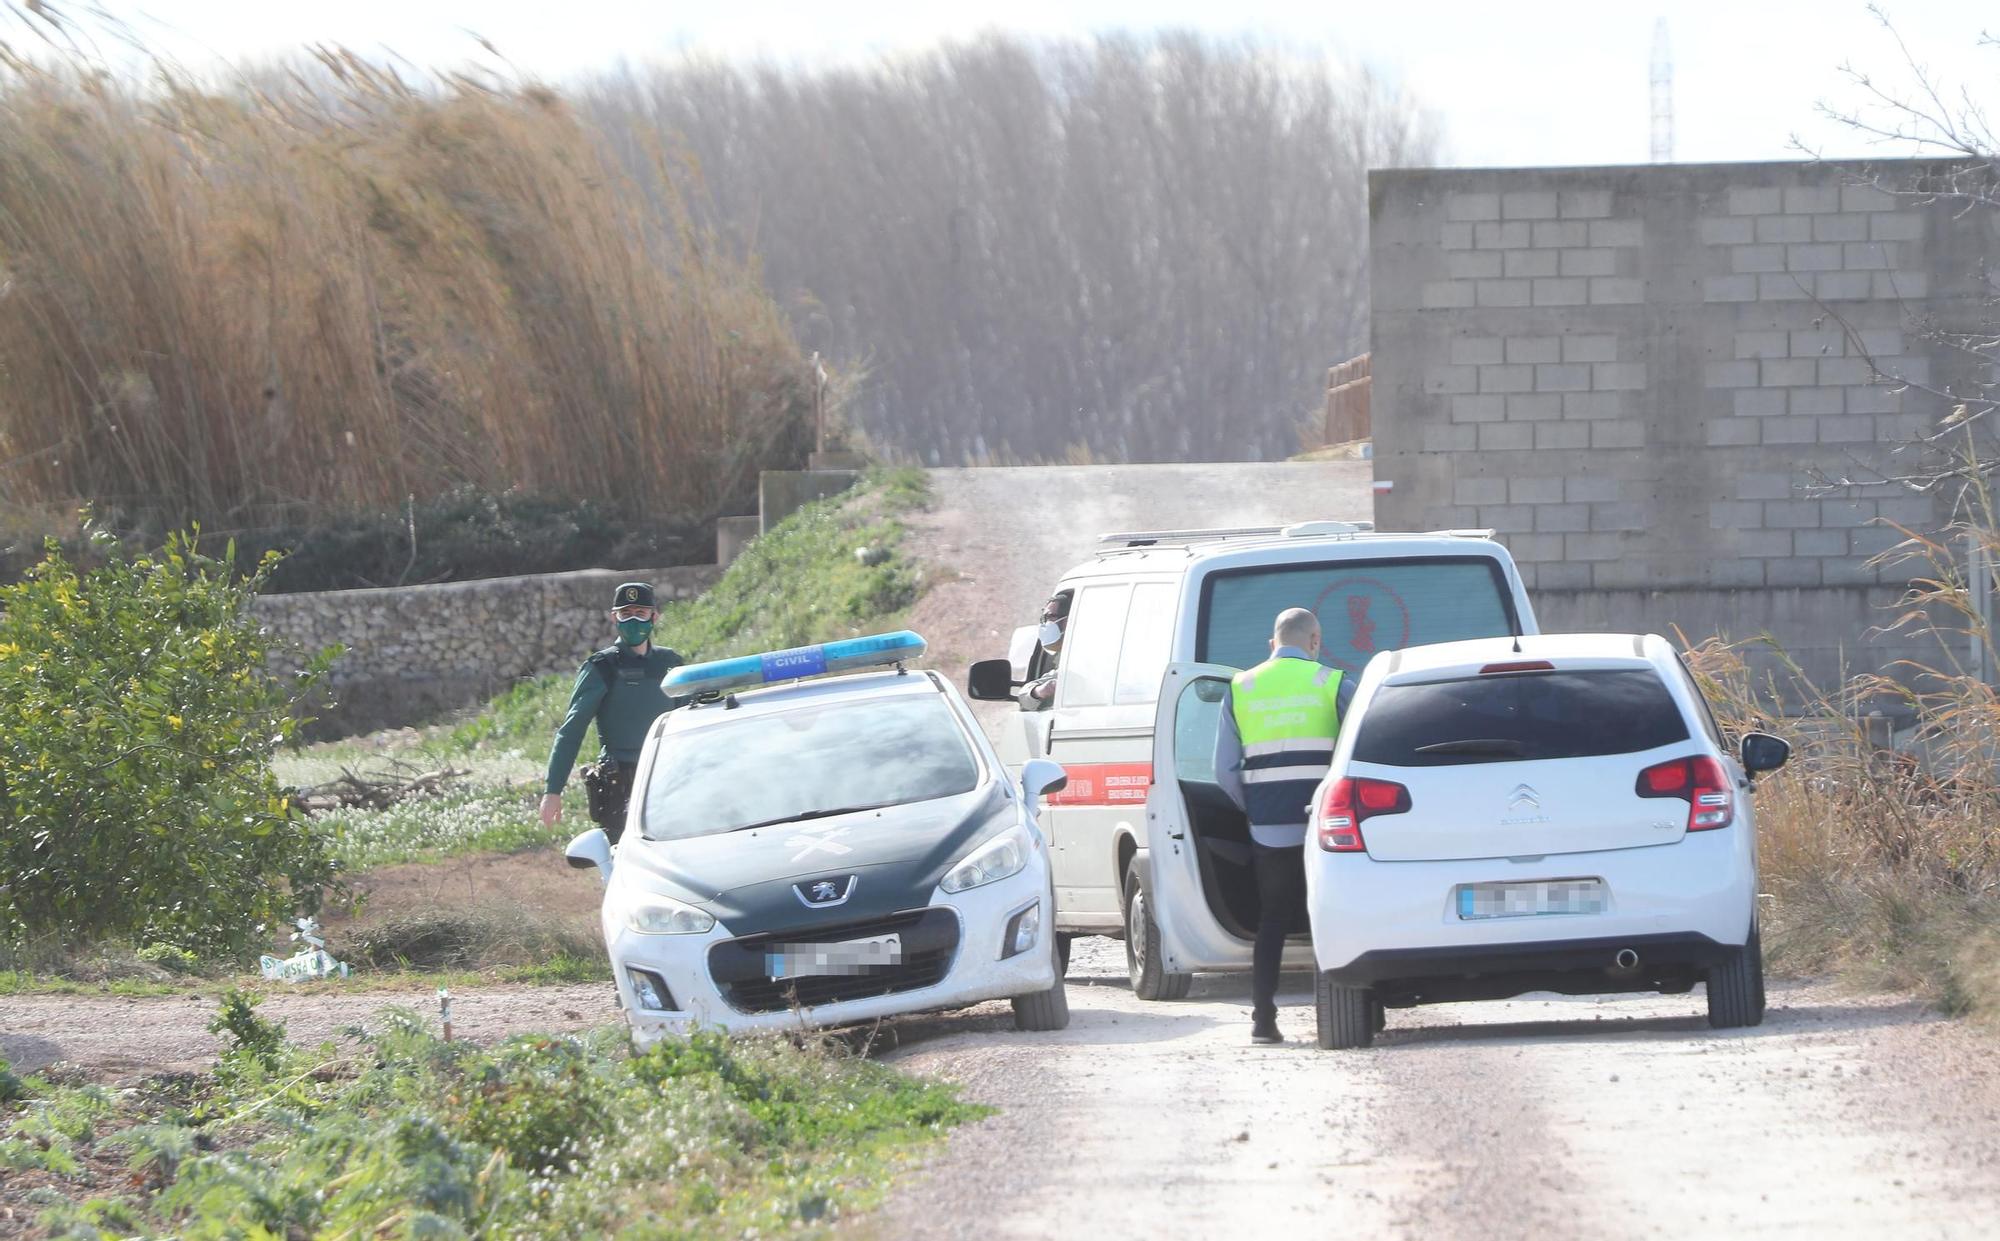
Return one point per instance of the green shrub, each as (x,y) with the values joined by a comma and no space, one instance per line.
(137,724)
(250,1036)
(538,1137)
(540,1100)
(168,957)
(12,1088)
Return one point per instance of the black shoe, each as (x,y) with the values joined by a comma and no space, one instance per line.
(1264,1029)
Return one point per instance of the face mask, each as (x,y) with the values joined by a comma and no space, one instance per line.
(634,632)
(1051,635)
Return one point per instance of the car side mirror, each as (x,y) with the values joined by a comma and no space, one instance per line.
(991,680)
(1040,776)
(1762,752)
(591,848)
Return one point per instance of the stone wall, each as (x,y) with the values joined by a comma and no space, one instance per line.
(415,652)
(1638,376)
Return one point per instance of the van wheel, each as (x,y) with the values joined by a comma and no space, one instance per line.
(1150,979)
(1044,1010)
(1736,987)
(1063,939)
(1345,1015)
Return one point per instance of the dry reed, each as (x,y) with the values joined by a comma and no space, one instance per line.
(1883,861)
(325,289)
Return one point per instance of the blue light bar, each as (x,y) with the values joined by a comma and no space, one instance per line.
(827,658)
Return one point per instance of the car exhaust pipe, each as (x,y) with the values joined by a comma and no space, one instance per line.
(1626,959)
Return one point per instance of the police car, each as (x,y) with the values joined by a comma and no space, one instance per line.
(824,836)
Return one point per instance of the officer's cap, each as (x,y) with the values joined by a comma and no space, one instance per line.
(633,595)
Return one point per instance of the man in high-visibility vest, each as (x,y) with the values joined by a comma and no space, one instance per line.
(1273,747)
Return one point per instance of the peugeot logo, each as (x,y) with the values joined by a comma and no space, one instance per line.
(825,893)
(1524,798)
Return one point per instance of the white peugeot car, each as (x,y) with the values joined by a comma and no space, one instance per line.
(813,849)
(1553,813)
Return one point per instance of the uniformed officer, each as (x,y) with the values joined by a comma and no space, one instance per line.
(1274,745)
(619,689)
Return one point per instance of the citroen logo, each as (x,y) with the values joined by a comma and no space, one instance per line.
(1524,798)
(824,893)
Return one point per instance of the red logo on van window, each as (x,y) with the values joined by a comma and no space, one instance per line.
(1104,784)
(1360,616)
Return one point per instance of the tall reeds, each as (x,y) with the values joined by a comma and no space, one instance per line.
(1880,855)
(325,289)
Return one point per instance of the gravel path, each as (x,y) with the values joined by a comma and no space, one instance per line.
(115,1037)
(1620,1117)
(997,539)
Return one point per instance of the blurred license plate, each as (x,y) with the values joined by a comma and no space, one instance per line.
(1522,900)
(849,956)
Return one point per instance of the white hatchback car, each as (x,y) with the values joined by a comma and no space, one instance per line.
(825,837)
(1558,813)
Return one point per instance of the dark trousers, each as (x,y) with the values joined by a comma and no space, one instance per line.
(609,785)
(1281,893)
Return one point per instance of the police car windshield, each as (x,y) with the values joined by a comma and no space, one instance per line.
(752,770)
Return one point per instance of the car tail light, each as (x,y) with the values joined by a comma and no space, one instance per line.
(1352,801)
(1519,665)
(1698,781)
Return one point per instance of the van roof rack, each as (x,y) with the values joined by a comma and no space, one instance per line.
(1139,540)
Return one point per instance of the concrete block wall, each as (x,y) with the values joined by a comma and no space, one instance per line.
(1642,378)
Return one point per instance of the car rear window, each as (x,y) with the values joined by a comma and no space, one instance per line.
(1363,607)
(1506,718)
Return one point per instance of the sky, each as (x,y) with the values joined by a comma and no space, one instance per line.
(1524,82)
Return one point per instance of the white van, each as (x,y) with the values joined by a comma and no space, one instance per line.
(1158,622)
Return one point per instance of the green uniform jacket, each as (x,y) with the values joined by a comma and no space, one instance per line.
(623,704)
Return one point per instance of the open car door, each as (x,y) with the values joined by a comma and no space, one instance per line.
(1204,892)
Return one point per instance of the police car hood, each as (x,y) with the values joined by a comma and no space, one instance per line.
(896,856)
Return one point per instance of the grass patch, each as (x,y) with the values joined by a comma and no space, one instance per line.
(29,982)
(491,820)
(802,582)
(399,1133)
(564,967)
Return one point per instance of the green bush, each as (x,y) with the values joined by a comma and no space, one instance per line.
(250,1036)
(538,1137)
(137,724)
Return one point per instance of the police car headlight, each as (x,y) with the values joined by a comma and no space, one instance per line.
(998,858)
(658,915)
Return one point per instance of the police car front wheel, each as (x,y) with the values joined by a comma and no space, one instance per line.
(1043,1010)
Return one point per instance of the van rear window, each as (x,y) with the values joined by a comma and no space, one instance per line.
(1363,607)
(1510,718)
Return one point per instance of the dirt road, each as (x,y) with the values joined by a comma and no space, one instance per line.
(1627,1117)
(997,539)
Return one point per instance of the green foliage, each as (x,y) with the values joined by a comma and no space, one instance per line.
(12,1088)
(537,1137)
(540,1101)
(250,1037)
(170,958)
(801,582)
(788,1096)
(137,724)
